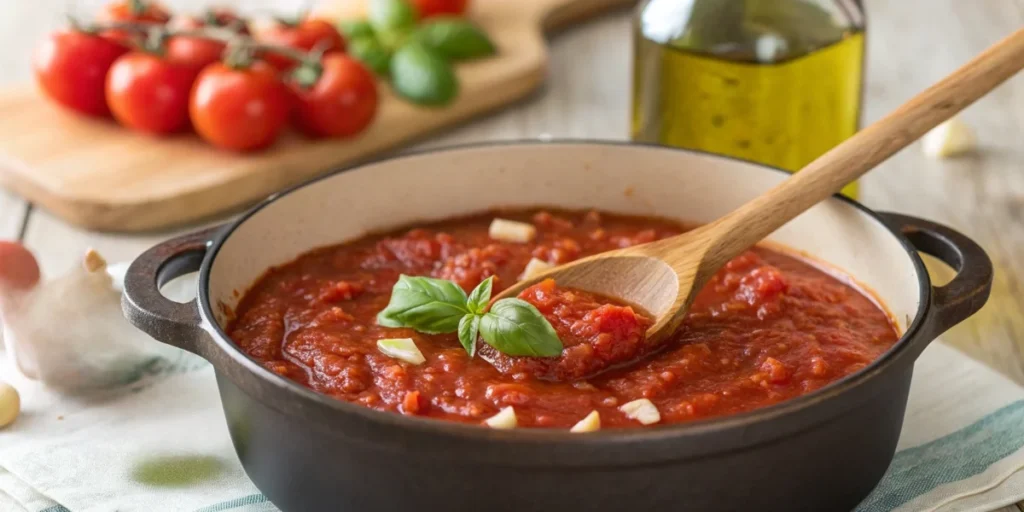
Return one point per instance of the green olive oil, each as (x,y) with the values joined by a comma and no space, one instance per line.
(773,81)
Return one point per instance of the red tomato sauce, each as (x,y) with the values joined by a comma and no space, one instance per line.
(767,328)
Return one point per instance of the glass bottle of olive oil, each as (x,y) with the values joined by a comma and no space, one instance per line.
(774,81)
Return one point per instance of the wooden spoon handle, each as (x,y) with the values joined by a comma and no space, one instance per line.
(826,175)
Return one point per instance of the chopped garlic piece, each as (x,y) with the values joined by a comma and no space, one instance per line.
(506,419)
(401,348)
(535,267)
(949,139)
(592,423)
(10,404)
(641,410)
(511,231)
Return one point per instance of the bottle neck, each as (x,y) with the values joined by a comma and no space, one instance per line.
(763,31)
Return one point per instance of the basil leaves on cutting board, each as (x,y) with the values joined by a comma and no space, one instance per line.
(417,58)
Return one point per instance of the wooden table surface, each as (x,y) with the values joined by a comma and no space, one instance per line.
(911,44)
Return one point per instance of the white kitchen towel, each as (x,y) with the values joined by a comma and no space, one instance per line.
(161,444)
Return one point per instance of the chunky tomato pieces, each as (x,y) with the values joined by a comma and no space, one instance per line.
(767,328)
(595,334)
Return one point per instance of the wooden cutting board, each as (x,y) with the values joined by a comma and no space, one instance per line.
(101,176)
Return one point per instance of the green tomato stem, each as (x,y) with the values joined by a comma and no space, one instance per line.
(307,74)
(138,7)
(155,41)
(222,34)
(239,56)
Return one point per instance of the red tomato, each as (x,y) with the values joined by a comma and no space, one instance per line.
(138,11)
(197,50)
(18,267)
(239,109)
(341,103)
(194,51)
(304,35)
(150,93)
(428,8)
(135,10)
(71,67)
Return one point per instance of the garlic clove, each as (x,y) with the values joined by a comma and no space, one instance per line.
(534,267)
(642,410)
(949,139)
(511,231)
(403,349)
(10,404)
(504,420)
(590,423)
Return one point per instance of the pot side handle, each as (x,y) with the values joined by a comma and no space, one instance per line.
(173,323)
(969,290)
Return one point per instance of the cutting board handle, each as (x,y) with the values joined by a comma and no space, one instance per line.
(556,14)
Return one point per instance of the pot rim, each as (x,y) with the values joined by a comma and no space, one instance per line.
(695,428)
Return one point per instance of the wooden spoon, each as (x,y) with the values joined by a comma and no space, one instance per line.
(663,277)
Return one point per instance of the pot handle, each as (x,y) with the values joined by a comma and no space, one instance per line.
(969,290)
(173,323)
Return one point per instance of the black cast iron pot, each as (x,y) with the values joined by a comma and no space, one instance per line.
(307,452)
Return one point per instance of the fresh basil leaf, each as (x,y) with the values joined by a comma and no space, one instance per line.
(432,306)
(385,321)
(354,29)
(392,40)
(516,328)
(371,53)
(422,76)
(480,296)
(455,38)
(469,328)
(386,15)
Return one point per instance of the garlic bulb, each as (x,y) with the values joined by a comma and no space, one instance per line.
(69,332)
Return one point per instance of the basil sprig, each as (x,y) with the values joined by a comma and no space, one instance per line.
(437,306)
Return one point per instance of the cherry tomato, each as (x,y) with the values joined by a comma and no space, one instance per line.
(239,109)
(201,51)
(341,103)
(303,35)
(194,51)
(428,8)
(137,11)
(18,267)
(150,93)
(141,11)
(71,67)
